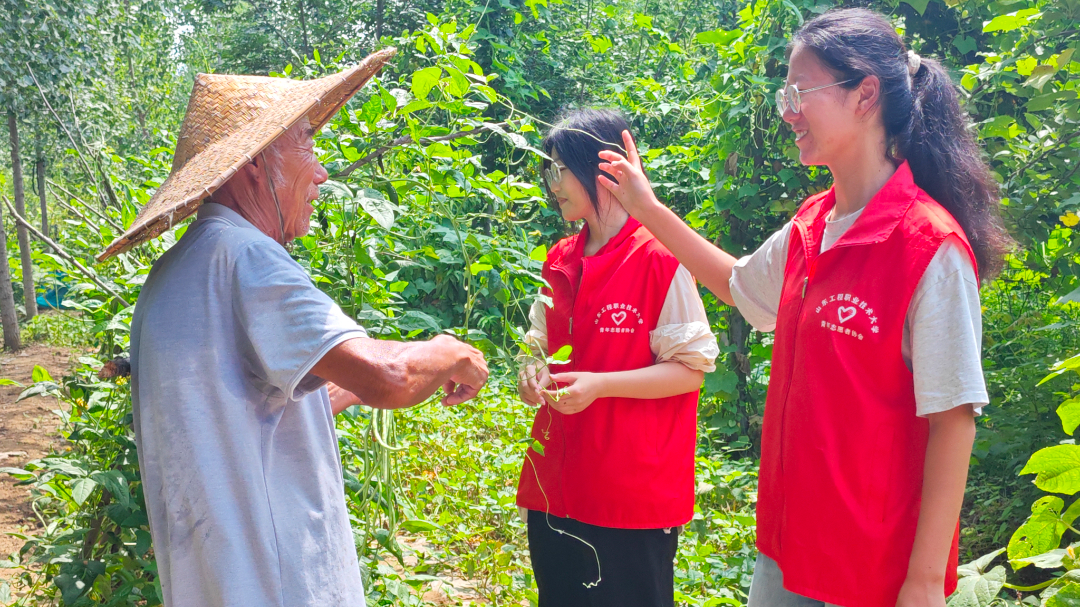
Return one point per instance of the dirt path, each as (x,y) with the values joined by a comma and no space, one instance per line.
(28,430)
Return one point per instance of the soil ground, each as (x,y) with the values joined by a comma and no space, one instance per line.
(28,431)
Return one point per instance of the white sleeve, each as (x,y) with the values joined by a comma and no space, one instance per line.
(682,331)
(758,278)
(536,337)
(945,323)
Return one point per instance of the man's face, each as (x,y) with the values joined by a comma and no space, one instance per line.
(300,175)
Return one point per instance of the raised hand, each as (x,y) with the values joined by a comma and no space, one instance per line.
(633,189)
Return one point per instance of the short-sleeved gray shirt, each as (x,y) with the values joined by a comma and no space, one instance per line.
(239,458)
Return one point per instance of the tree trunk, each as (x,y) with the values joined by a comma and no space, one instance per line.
(7,295)
(39,166)
(380,10)
(20,208)
(303,28)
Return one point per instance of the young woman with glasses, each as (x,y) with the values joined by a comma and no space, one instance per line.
(872,290)
(610,476)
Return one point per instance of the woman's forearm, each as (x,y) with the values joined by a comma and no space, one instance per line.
(656,381)
(948,453)
(708,263)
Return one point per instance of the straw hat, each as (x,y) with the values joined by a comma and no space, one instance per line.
(229,121)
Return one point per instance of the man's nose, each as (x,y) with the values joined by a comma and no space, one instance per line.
(320,174)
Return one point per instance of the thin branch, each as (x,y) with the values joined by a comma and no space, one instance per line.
(62,253)
(86,167)
(88,206)
(67,206)
(400,141)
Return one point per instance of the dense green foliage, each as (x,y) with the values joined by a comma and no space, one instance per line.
(433,221)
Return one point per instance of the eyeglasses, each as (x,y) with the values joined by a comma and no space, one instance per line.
(553,174)
(791,97)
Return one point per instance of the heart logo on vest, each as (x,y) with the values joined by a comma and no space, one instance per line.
(619,316)
(846,313)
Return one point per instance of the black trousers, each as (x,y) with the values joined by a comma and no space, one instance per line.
(637,566)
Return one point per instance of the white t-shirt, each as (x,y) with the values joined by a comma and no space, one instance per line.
(942,340)
(237,449)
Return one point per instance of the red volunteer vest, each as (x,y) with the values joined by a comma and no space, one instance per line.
(624,463)
(842,449)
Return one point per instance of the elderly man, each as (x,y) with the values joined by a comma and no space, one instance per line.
(239,363)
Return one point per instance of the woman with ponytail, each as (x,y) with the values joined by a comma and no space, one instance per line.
(873,293)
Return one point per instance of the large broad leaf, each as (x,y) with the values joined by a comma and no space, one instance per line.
(1042,531)
(1048,560)
(415,319)
(978,587)
(1057,468)
(1069,412)
(1063,594)
(40,374)
(376,205)
(424,80)
(418,526)
(81,489)
(116,484)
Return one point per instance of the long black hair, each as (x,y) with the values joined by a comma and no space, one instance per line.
(579,136)
(924,123)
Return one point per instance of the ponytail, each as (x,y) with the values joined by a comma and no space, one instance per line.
(924,123)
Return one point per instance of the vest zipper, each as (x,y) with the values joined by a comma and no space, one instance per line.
(805,281)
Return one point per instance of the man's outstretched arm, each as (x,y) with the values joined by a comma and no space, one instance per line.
(391,375)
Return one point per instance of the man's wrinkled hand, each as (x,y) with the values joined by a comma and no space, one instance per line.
(469,375)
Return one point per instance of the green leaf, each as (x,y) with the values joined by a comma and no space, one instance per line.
(716,37)
(562,354)
(1057,468)
(1065,595)
(539,254)
(1012,21)
(424,80)
(413,320)
(142,542)
(536,446)
(1069,412)
(721,381)
(1073,362)
(1046,560)
(1042,531)
(376,205)
(978,587)
(457,84)
(81,489)
(918,5)
(478,267)
(116,484)
(417,526)
(10,382)
(40,374)
(965,44)
(978,590)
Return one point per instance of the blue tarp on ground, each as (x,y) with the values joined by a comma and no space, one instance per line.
(54,295)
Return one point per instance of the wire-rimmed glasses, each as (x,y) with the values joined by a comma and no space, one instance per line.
(790,97)
(553,174)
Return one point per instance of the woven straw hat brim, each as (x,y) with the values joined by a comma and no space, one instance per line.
(229,121)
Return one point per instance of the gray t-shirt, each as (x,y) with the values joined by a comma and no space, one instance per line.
(239,458)
(942,339)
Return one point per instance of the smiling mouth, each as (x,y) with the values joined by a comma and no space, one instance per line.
(560,200)
(800,134)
